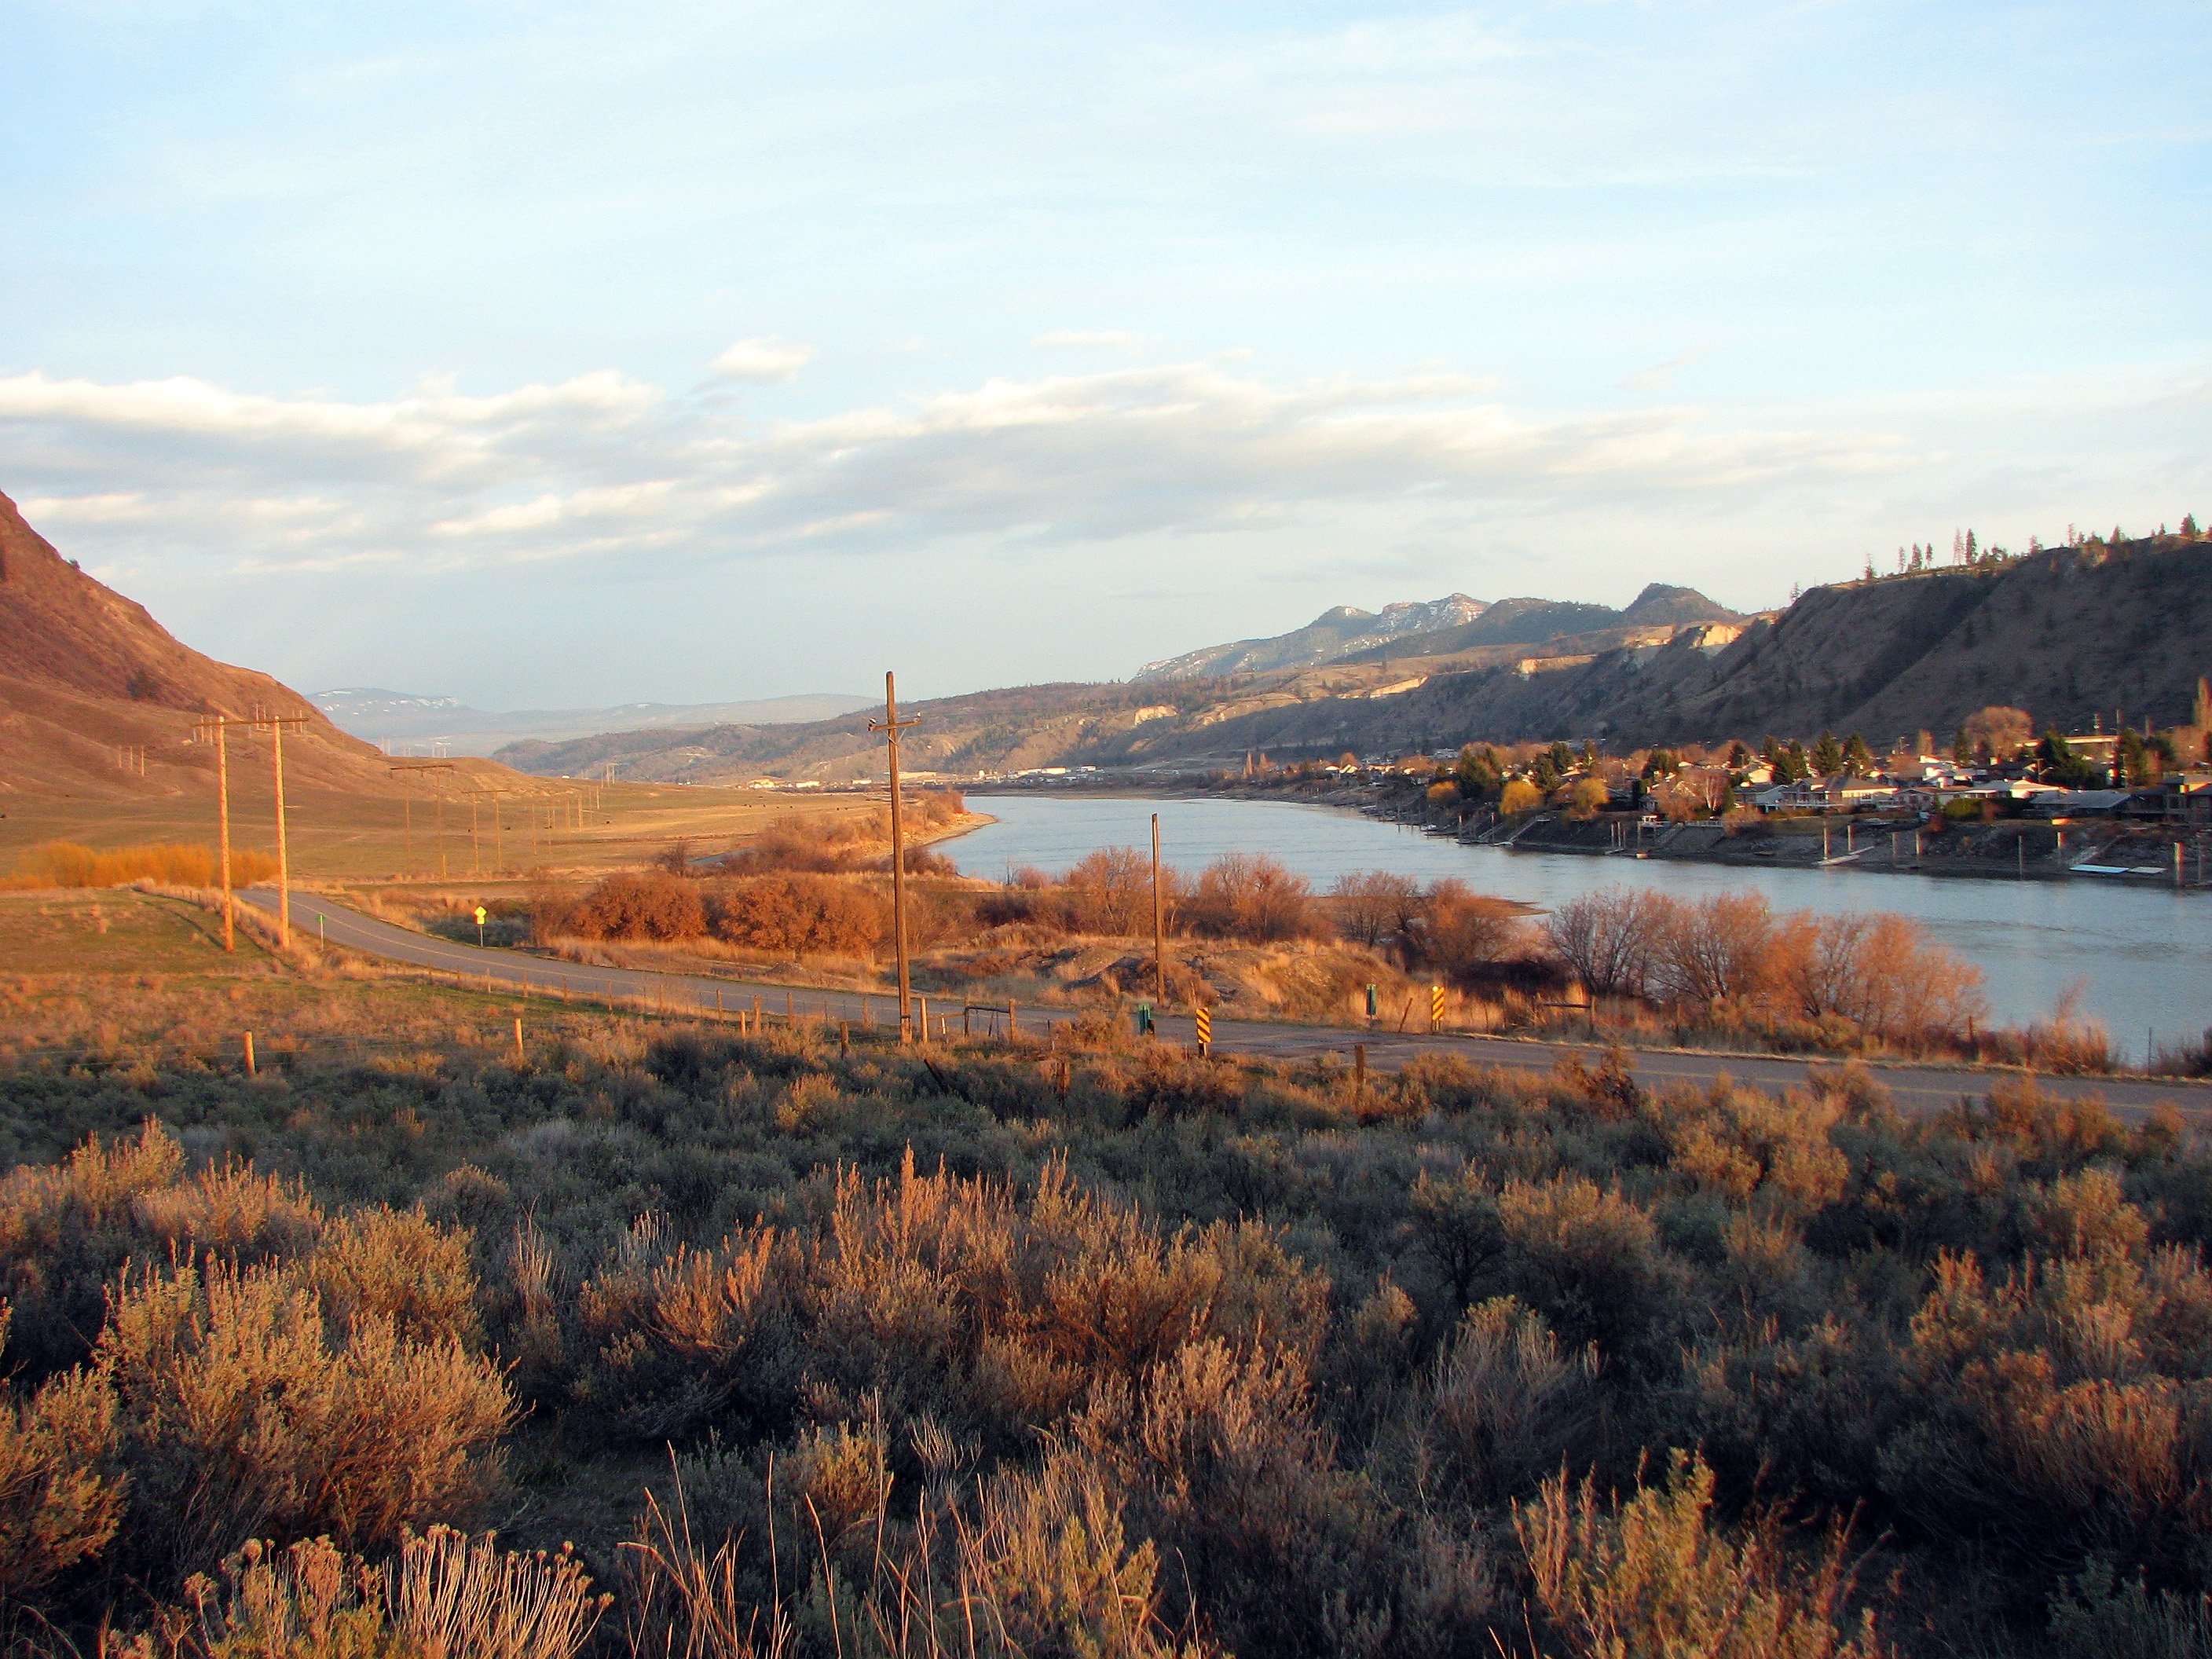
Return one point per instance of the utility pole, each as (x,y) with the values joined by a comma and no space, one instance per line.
(891,725)
(1159,926)
(218,724)
(277,723)
(407,808)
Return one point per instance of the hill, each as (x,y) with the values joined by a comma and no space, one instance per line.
(403,717)
(87,676)
(2069,634)
(1328,637)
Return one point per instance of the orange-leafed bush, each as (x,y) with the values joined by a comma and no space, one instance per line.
(655,906)
(799,915)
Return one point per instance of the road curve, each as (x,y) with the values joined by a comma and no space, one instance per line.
(1915,1088)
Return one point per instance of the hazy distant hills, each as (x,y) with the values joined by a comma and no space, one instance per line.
(404,718)
(1438,628)
(2070,635)
(1328,637)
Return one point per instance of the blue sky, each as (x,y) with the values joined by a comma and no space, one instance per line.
(538,354)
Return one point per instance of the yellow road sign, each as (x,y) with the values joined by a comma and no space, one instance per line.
(1204,1029)
(480,915)
(1435,1005)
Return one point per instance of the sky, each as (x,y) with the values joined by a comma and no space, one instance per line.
(552,355)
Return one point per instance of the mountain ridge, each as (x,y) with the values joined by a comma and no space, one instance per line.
(2066,633)
(375,714)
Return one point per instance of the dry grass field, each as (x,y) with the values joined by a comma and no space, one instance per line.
(542,825)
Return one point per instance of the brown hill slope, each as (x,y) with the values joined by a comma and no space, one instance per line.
(2067,635)
(86,673)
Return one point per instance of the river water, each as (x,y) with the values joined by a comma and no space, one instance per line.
(2142,957)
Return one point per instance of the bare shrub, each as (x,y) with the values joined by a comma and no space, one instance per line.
(1611,939)
(1880,971)
(1247,897)
(1461,934)
(1653,1574)
(1374,907)
(1110,892)
(1717,948)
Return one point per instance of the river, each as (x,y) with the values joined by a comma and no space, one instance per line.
(2140,956)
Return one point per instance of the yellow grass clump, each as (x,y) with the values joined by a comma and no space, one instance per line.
(70,864)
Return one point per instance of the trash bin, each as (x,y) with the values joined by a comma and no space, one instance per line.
(1144,1019)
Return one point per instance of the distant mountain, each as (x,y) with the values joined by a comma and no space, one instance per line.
(405,719)
(1539,622)
(1440,627)
(2067,634)
(1330,637)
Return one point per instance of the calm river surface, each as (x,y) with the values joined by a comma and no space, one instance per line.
(2142,956)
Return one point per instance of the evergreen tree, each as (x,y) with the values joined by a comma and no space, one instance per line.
(1858,759)
(1563,758)
(1827,756)
(1739,756)
(2060,765)
(1545,774)
(1791,766)
(2188,525)
(1962,749)
(1971,555)
(2134,759)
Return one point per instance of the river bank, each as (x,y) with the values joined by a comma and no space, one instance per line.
(2136,955)
(2101,853)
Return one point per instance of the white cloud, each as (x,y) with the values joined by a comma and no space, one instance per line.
(1107,339)
(771,357)
(1656,378)
(601,470)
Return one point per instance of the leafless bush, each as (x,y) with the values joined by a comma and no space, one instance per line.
(1246,897)
(1611,939)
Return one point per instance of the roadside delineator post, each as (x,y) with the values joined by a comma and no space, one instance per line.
(518,1040)
(249,1055)
(1204,1023)
(1436,1008)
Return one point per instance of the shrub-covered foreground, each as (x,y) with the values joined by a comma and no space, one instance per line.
(1082,1351)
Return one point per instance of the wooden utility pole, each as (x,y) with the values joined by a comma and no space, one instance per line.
(277,723)
(1159,925)
(891,725)
(219,724)
(407,809)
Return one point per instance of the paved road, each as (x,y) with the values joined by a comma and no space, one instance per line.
(1915,1088)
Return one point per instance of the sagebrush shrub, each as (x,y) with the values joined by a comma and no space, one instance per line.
(242,1411)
